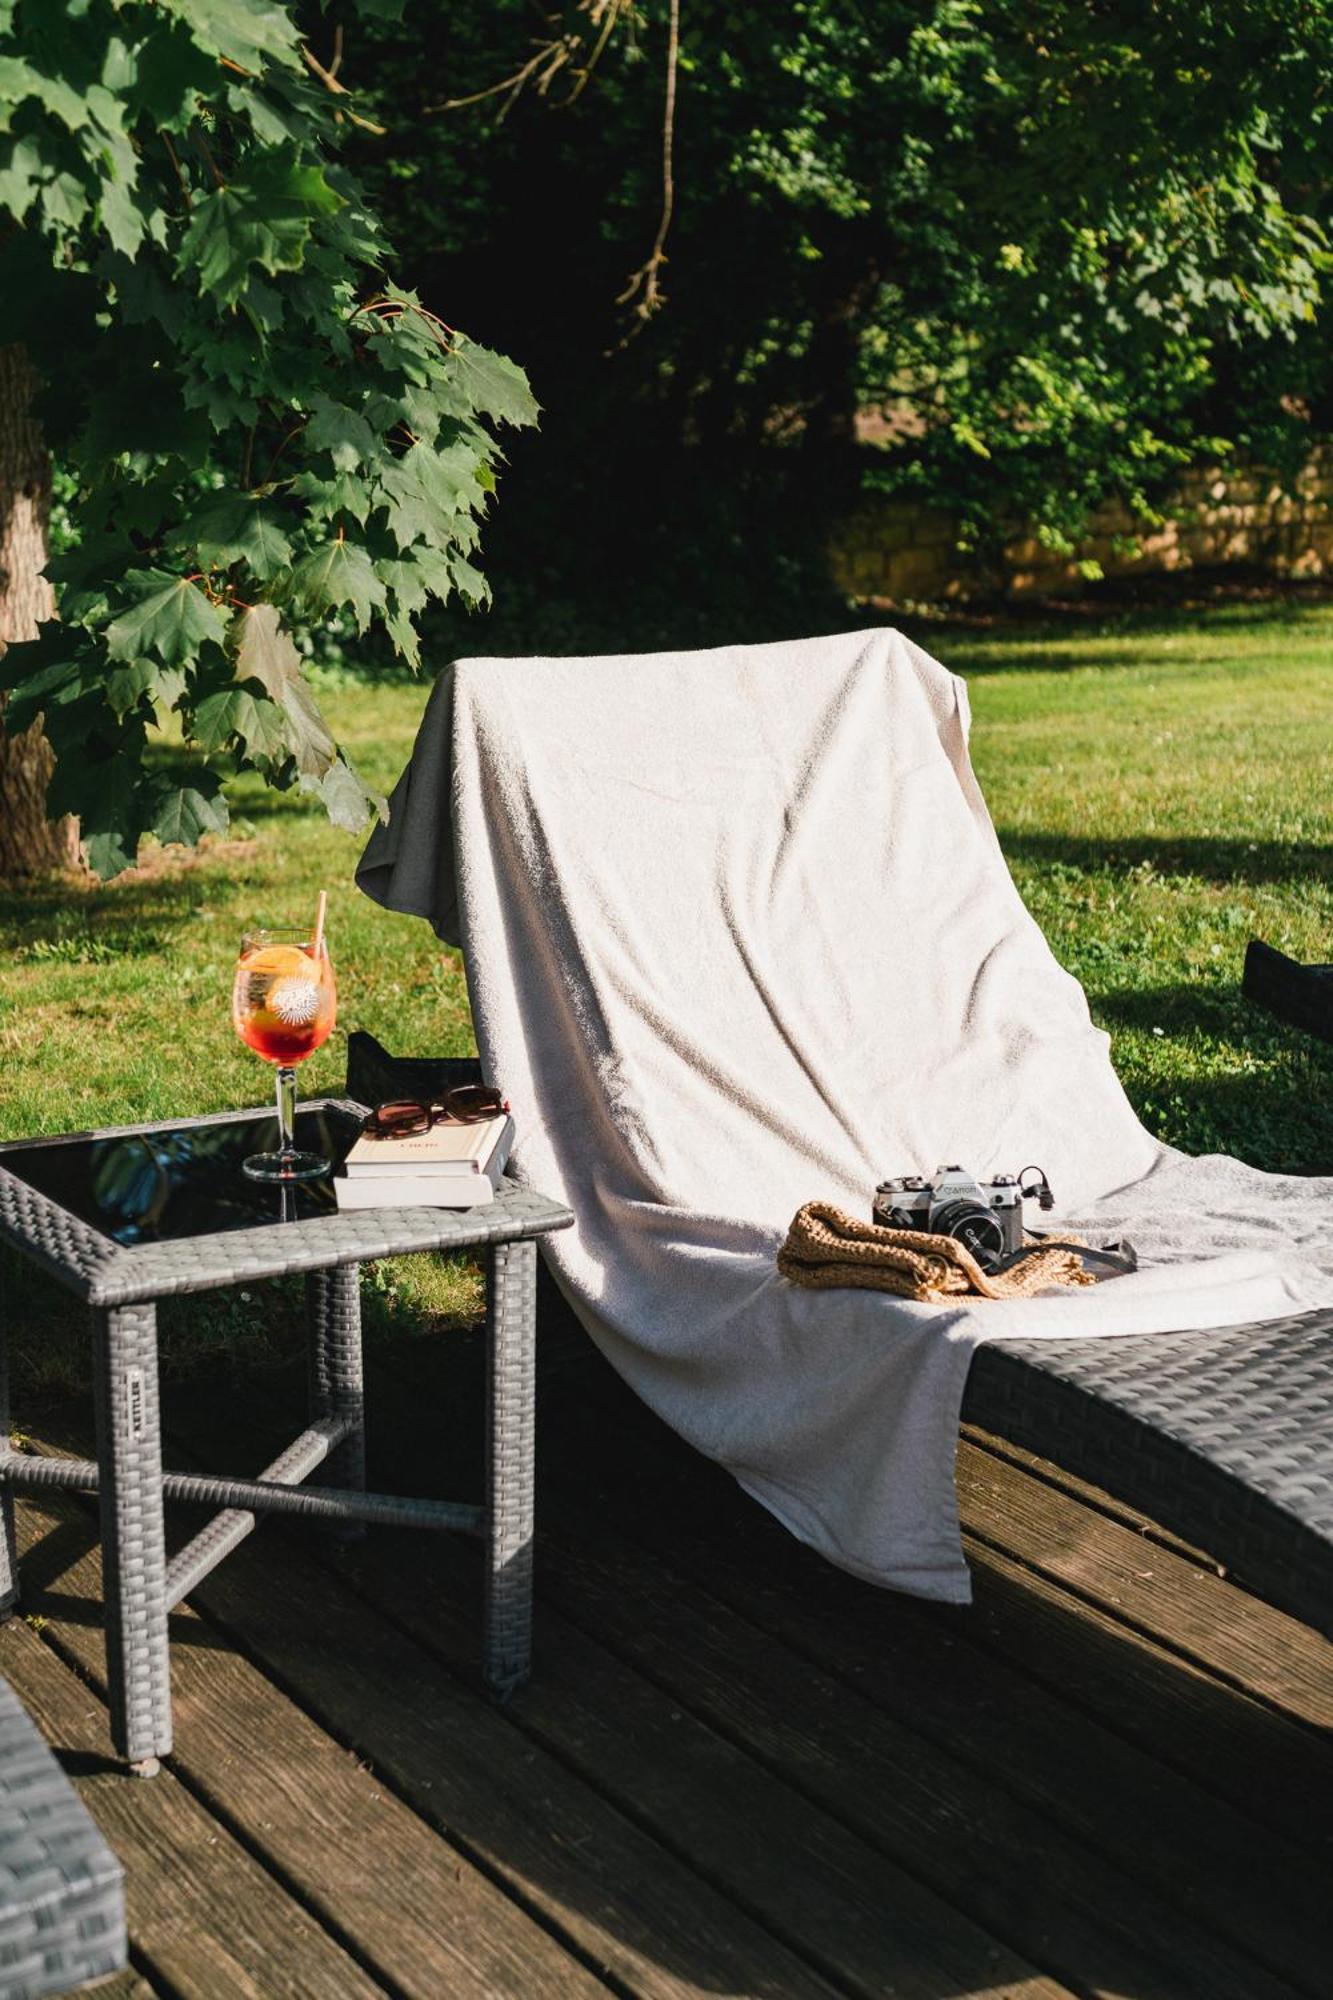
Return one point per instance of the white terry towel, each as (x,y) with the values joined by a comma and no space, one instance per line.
(739,935)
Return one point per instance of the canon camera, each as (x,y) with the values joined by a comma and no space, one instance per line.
(986,1217)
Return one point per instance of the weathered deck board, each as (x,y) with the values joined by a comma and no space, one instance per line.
(596,1877)
(1231,1745)
(833,1903)
(924,1666)
(204,1916)
(1078,1489)
(1191,1609)
(1186,1715)
(371,1871)
(799,1869)
(614,1896)
(127,1985)
(738,1771)
(810,1879)
(1167,1835)
(931,1666)
(913,1799)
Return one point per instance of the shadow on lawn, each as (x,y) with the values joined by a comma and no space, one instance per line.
(1277,1131)
(155,894)
(1218,1011)
(1206,858)
(1000,638)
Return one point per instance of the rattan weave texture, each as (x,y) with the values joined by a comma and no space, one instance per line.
(107,1273)
(1224,1436)
(62,1895)
(336,1383)
(122,1285)
(9,1571)
(134,1581)
(511,1330)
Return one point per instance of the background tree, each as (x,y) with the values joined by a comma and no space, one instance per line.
(260,429)
(1064,247)
(28,840)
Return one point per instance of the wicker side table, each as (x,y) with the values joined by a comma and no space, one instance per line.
(62,1893)
(135,1214)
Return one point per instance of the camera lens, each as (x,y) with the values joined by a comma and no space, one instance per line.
(975,1228)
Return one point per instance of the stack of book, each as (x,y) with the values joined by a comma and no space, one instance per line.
(451,1166)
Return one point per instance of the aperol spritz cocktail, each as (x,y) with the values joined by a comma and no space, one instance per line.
(284,1004)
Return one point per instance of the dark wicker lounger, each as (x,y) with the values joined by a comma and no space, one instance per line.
(1225,1438)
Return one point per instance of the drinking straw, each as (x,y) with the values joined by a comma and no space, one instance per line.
(319,924)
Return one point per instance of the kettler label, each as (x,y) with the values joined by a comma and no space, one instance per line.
(134,1401)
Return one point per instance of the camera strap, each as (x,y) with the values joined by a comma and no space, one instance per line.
(1111,1260)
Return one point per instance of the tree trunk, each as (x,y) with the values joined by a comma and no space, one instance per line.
(30,843)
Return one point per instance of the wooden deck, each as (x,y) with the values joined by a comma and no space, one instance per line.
(737,1771)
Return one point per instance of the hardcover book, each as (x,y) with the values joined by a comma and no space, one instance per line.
(462,1169)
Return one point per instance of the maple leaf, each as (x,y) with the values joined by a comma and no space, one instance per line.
(338,573)
(265,653)
(264,219)
(172,618)
(184,812)
(233,714)
(239,529)
(343,433)
(348,802)
(244,31)
(127,685)
(492,384)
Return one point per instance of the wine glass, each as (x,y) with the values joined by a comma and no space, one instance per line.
(283,1007)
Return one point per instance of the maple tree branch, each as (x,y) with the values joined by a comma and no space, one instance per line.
(557,53)
(201,142)
(273,462)
(180,171)
(329,78)
(644,282)
(554,55)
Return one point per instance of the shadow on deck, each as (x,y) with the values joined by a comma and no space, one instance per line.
(737,1771)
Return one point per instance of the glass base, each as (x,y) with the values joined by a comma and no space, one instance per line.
(286,1167)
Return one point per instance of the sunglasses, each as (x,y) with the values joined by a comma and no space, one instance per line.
(468,1104)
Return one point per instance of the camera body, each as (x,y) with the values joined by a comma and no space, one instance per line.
(986,1217)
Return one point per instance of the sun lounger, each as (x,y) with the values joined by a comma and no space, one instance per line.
(739,935)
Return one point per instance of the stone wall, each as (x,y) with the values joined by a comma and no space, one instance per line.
(900,552)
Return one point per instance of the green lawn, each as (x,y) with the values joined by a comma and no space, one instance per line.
(1163,788)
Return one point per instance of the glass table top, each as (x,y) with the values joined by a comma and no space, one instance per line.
(154,1187)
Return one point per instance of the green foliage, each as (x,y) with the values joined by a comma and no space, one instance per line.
(1064,247)
(258,429)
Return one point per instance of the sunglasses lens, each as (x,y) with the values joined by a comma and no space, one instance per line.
(396,1121)
(473,1101)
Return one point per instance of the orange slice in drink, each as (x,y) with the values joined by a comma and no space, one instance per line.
(279,959)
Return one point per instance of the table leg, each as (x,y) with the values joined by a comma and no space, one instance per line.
(129,1457)
(9,1562)
(511,1334)
(336,1381)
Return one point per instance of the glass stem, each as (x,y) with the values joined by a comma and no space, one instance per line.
(286,1080)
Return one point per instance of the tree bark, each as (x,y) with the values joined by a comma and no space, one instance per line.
(30,843)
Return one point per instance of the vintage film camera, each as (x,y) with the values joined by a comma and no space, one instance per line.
(986,1217)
